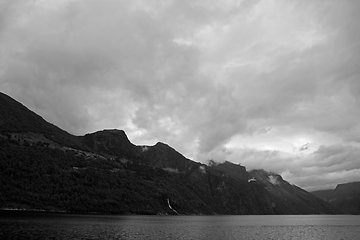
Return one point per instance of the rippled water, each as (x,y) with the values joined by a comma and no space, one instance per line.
(68,226)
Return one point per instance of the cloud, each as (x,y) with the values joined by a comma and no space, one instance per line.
(304,147)
(323,169)
(202,76)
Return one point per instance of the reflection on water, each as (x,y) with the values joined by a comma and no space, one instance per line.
(68,226)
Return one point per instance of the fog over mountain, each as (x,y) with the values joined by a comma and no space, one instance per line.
(268,84)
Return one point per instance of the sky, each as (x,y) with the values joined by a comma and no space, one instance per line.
(271,85)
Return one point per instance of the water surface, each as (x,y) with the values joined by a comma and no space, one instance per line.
(71,226)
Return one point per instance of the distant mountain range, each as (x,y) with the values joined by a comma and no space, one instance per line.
(42,167)
(345,197)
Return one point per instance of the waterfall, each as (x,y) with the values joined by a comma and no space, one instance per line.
(168,201)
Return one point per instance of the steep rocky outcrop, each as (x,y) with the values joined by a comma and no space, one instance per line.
(44,167)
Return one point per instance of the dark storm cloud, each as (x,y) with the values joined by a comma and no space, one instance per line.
(199,75)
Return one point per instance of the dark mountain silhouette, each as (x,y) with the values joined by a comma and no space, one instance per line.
(16,118)
(44,167)
(110,143)
(345,197)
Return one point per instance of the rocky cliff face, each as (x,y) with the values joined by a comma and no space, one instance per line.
(47,168)
(345,197)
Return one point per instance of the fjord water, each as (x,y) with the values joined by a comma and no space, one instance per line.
(68,226)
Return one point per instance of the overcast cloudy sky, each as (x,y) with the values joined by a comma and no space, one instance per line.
(268,84)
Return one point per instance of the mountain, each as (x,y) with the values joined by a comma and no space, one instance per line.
(285,195)
(345,197)
(44,167)
(16,119)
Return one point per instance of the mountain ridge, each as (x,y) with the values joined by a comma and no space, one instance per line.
(16,118)
(44,167)
(345,196)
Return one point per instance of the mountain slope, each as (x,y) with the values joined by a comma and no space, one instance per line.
(345,197)
(284,195)
(44,167)
(17,119)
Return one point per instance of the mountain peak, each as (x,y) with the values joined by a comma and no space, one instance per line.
(235,170)
(111,132)
(345,196)
(269,178)
(161,144)
(348,186)
(110,142)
